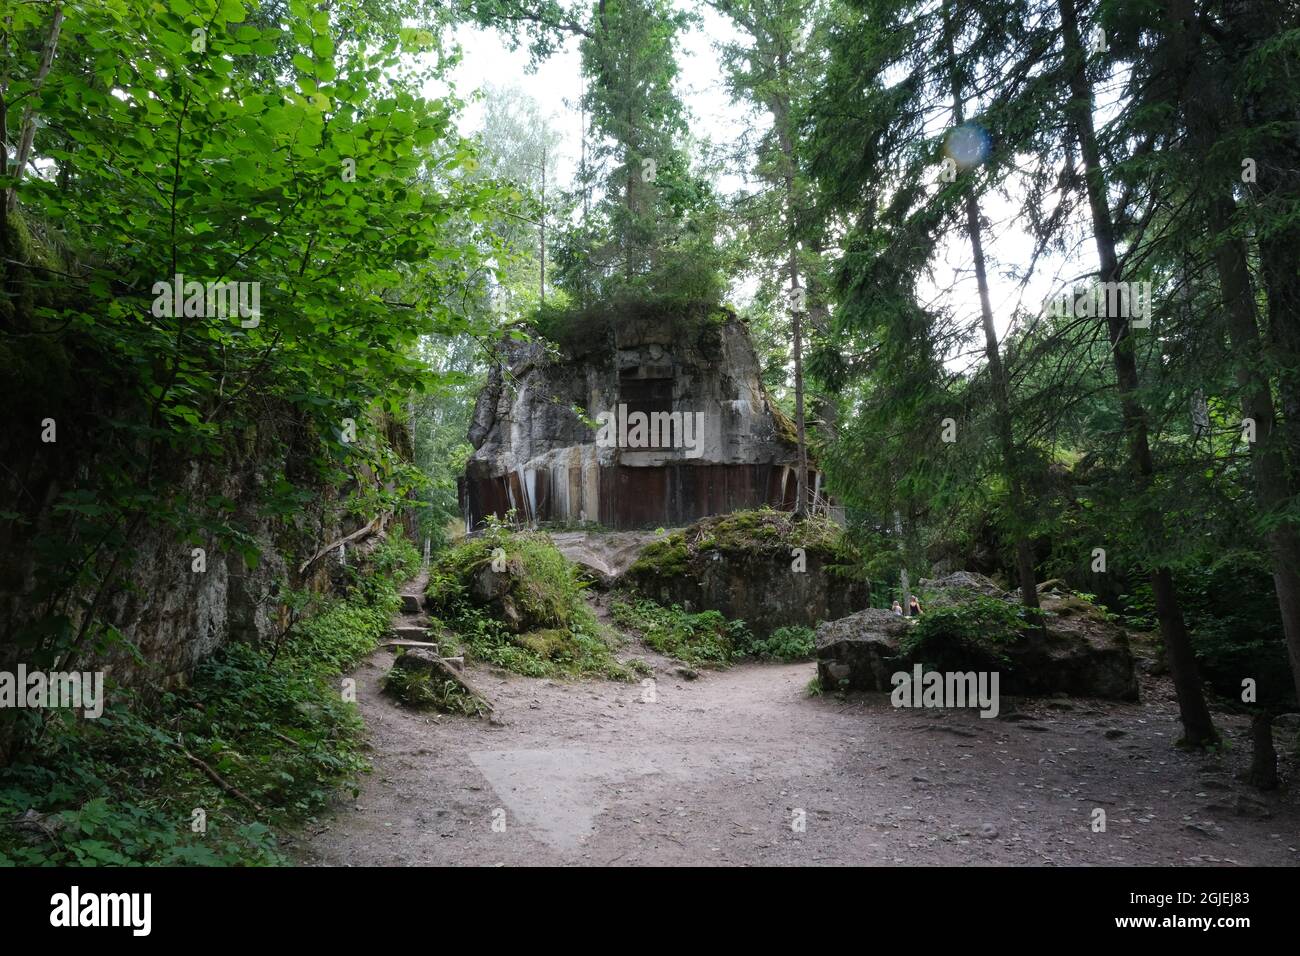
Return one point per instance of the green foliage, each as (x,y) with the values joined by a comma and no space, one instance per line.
(793,643)
(651,233)
(270,722)
(329,181)
(971,634)
(394,560)
(1232,615)
(704,639)
(556,633)
(426,690)
(545,585)
(587,330)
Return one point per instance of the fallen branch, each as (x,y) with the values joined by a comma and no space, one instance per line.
(287,739)
(221,781)
(375,525)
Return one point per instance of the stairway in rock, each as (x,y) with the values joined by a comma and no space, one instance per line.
(411,622)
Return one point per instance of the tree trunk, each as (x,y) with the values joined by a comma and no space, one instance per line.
(800,436)
(1198,728)
(1247,26)
(1263,757)
(542,266)
(4,200)
(1001,392)
(1002,412)
(1209,115)
(779,104)
(28,133)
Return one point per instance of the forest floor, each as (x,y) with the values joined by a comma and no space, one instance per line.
(723,769)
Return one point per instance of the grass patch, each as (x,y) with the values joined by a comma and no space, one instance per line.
(269,720)
(708,639)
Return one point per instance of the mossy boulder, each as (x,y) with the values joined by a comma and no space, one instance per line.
(764,567)
(522,580)
(546,644)
(513,600)
(970,625)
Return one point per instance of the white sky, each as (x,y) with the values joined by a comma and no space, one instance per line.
(556,86)
(557,83)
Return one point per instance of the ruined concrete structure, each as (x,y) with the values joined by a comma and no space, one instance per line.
(541,449)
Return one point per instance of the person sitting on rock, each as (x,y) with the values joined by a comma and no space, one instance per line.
(897,609)
(914,607)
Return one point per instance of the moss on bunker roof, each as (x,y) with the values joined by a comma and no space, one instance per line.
(750,532)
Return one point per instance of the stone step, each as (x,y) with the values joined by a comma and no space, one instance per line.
(408,633)
(411,604)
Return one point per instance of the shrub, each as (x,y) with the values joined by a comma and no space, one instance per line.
(701,639)
(965,636)
(268,720)
(794,643)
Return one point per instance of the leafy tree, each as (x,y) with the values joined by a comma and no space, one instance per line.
(339,192)
(651,230)
(773,70)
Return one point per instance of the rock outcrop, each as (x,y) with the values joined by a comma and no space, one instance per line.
(861,651)
(603,555)
(1081,653)
(746,566)
(718,445)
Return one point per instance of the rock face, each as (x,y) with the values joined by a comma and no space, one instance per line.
(1081,654)
(603,555)
(742,565)
(959,585)
(861,651)
(171,615)
(176,617)
(719,445)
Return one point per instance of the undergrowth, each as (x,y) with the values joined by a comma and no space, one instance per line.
(426,690)
(793,643)
(961,636)
(553,633)
(703,639)
(136,786)
(708,638)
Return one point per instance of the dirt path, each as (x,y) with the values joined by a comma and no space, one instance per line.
(716,771)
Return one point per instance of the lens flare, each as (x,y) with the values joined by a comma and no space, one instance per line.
(968,145)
